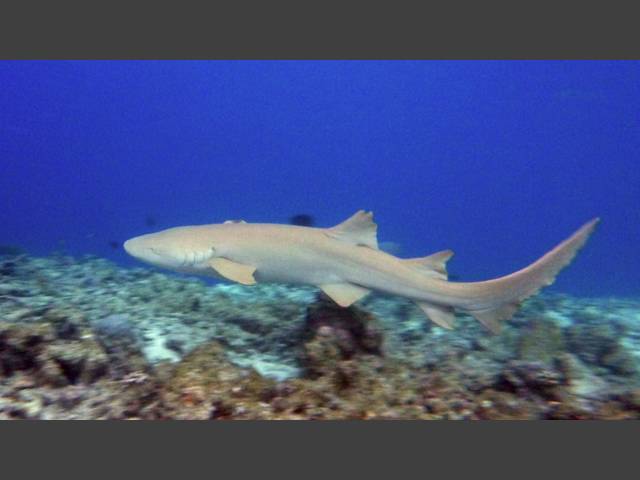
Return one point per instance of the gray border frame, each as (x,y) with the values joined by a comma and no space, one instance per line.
(393,449)
(315,30)
(398,449)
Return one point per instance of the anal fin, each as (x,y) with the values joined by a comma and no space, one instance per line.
(234,271)
(344,294)
(441,316)
(493,318)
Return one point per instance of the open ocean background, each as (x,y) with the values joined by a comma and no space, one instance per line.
(498,161)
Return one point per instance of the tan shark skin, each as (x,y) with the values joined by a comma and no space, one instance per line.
(344,261)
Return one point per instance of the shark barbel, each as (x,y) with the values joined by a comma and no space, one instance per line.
(345,262)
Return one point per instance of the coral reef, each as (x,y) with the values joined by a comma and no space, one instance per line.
(85,339)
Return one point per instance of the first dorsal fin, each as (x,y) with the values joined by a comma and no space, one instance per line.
(434,265)
(359,229)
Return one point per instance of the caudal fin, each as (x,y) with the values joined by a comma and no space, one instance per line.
(499,299)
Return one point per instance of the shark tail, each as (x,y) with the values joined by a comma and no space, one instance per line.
(501,297)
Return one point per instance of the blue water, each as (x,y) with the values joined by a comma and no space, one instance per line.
(497,160)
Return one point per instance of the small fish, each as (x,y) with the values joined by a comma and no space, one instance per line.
(302,220)
(115,245)
(11,250)
(345,262)
(150,221)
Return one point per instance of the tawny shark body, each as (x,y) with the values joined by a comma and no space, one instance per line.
(345,262)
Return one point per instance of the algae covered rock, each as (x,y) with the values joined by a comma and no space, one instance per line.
(55,367)
(599,344)
(541,340)
(346,376)
(61,350)
(121,341)
(68,324)
(205,385)
(72,333)
(538,378)
(591,341)
(339,333)
(340,345)
(620,362)
(581,382)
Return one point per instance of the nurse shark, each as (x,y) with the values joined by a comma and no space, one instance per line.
(345,262)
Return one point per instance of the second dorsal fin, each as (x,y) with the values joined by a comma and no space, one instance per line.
(434,265)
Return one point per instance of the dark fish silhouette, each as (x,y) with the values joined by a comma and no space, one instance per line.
(115,245)
(302,220)
(150,221)
(11,250)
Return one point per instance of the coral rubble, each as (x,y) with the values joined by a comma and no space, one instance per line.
(85,339)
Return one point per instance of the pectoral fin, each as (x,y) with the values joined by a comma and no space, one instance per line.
(234,271)
(344,294)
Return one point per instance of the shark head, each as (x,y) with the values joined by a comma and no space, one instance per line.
(173,249)
(153,249)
